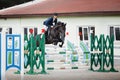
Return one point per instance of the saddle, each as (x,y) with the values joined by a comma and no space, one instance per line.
(49,33)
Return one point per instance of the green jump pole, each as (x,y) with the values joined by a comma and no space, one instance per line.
(42,42)
(31,54)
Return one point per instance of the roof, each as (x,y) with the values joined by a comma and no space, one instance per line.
(46,7)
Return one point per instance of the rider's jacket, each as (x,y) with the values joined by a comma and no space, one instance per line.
(49,22)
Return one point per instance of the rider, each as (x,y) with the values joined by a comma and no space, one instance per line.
(50,22)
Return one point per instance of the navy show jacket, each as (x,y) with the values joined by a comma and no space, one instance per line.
(49,22)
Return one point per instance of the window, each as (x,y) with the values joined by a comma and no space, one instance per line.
(115,30)
(111,31)
(93,31)
(0,29)
(35,31)
(25,31)
(117,33)
(80,33)
(10,31)
(84,32)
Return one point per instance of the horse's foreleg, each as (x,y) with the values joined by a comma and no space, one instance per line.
(61,44)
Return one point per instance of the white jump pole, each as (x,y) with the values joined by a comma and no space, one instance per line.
(22,54)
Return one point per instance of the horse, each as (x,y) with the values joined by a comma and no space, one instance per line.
(56,34)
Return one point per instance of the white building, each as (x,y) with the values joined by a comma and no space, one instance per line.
(81,16)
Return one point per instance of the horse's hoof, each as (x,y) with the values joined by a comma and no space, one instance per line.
(60,45)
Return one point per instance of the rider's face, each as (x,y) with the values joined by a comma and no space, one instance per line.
(55,17)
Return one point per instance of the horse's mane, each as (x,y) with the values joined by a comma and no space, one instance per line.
(59,24)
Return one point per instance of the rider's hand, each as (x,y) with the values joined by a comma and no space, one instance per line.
(51,26)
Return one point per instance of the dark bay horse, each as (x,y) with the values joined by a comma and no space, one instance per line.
(57,34)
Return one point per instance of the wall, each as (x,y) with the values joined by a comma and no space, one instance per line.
(101,25)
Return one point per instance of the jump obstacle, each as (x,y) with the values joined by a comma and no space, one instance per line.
(102,54)
(34,53)
(13,51)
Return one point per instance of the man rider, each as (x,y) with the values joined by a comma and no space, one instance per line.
(50,22)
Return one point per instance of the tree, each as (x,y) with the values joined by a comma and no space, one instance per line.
(9,3)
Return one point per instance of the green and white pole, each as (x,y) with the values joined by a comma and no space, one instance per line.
(42,45)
